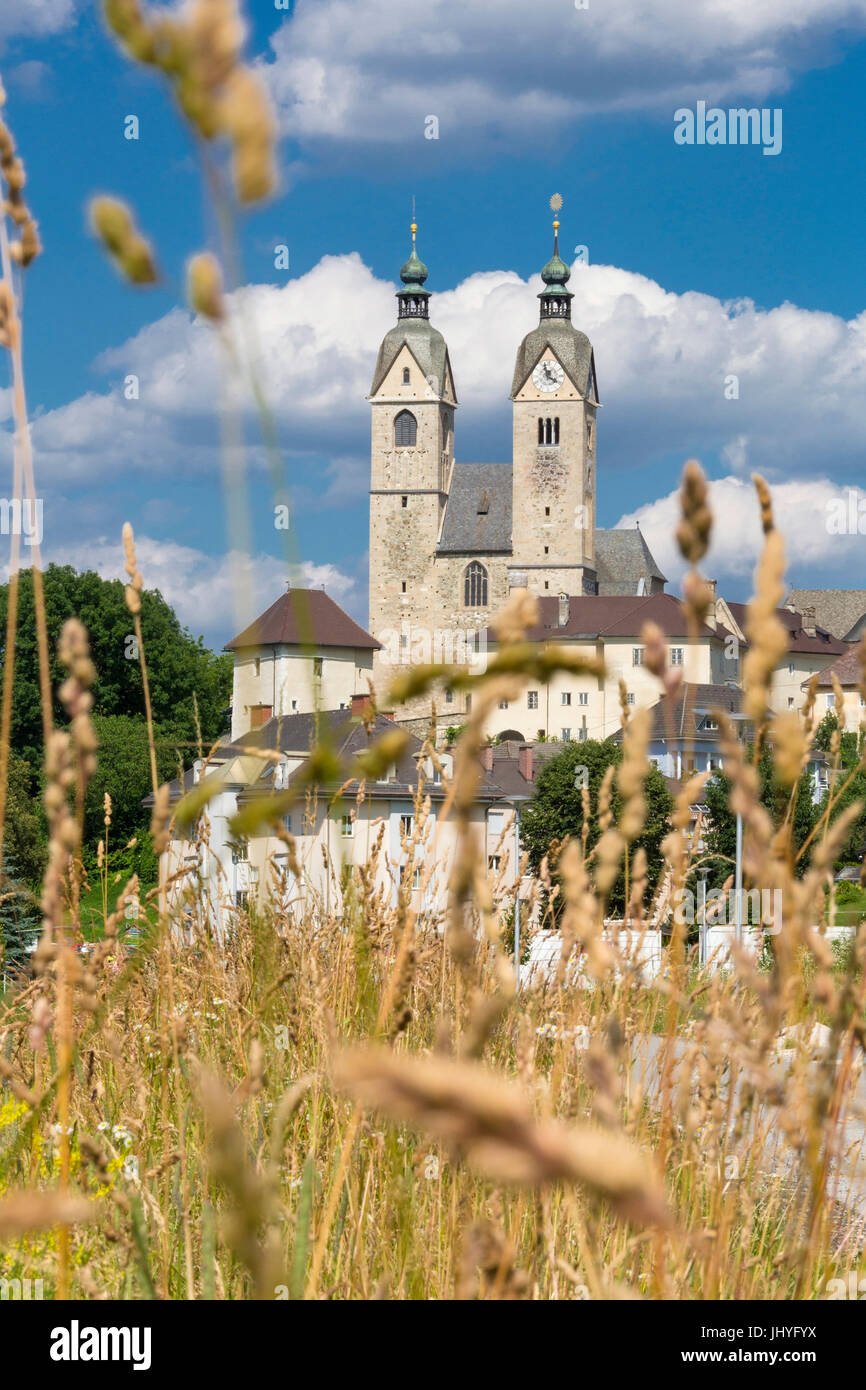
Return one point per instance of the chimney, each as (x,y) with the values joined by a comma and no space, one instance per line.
(807,617)
(360,705)
(518,579)
(524,761)
(487,758)
(564,610)
(711,586)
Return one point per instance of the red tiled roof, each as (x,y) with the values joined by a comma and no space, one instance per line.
(621,615)
(304,617)
(823,643)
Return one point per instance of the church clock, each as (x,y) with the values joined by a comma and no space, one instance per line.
(548,376)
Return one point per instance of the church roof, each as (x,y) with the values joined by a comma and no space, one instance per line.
(303,617)
(572,347)
(622,558)
(478,512)
(426,345)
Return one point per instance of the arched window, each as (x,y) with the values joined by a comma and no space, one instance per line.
(406,376)
(475,586)
(405,429)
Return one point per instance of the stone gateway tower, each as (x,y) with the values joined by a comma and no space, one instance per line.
(448,540)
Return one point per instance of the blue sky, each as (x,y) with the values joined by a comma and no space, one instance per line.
(702,261)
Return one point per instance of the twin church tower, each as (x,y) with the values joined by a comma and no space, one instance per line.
(449,540)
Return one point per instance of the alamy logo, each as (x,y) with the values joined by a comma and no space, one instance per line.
(738,126)
(75,1343)
(17,1289)
(22,519)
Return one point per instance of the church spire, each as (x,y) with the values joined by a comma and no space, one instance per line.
(413,299)
(555,298)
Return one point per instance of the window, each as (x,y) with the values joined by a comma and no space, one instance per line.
(503,704)
(258,666)
(449,697)
(710,722)
(240,852)
(404,501)
(589,434)
(347,827)
(547,511)
(407,823)
(496,822)
(532,699)
(565,697)
(676,656)
(790,668)
(406,377)
(863,701)
(475,586)
(242,898)
(629,699)
(581,735)
(294,706)
(548,430)
(287,822)
(637,656)
(831,700)
(318,666)
(493,862)
(468,704)
(405,430)
(566,735)
(790,702)
(404,586)
(583,697)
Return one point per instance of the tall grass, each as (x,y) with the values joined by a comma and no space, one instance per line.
(357,1104)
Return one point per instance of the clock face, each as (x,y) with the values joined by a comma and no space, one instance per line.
(548,376)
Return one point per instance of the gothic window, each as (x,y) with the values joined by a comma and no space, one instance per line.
(406,376)
(556,430)
(475,586)
(540,430)
(405,429)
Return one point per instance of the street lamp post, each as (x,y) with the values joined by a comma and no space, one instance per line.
(517,801)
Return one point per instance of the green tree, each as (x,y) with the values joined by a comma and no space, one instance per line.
(721,832)
(123,770)
(25,834)
(556,809)
(19,917)
(179,666)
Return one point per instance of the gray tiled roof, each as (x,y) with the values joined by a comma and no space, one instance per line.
(622,558)
(837,610)
(424,342)
(465,528)
(572,347)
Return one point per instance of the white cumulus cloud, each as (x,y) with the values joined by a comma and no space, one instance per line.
(351,75)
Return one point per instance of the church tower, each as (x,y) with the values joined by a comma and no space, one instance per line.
(412,403)
(555,402)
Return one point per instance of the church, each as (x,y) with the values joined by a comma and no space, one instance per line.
(449,540)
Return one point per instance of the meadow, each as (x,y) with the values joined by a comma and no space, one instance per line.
(361,1105)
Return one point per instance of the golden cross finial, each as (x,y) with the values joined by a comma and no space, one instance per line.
(414,223)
